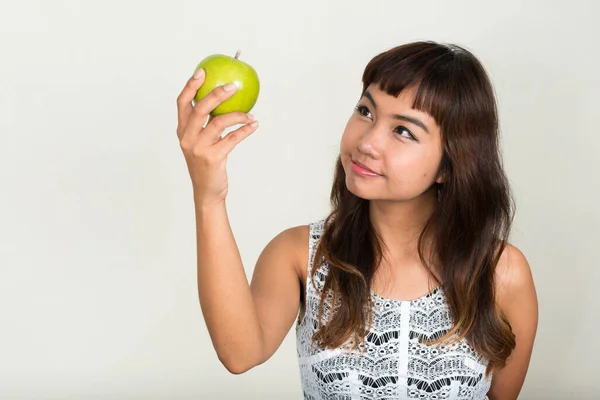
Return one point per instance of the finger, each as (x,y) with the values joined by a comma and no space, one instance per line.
(233,138)
(207,104)
(214,129)
(184,100)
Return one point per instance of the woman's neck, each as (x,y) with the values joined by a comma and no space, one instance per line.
(399,225)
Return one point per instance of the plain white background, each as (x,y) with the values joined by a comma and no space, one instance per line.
(97,251)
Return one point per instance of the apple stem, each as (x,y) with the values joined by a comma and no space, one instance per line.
(237,54)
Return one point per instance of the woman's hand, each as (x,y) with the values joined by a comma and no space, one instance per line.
(204,149)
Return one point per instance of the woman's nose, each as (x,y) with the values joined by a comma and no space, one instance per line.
(371,142)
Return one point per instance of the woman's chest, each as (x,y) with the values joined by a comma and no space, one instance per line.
(396,358)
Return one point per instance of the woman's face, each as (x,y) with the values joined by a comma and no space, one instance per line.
(390,151)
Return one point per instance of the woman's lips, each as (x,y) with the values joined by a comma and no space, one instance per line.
(362,169)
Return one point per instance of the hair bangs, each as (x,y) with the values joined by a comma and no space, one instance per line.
(425,66)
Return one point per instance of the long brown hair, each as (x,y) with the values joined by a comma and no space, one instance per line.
(468,229)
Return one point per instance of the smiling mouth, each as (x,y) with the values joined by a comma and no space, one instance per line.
(363,170)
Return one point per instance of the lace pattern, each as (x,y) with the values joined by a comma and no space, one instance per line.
(392,363)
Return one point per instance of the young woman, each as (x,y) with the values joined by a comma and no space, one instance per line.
(409,288)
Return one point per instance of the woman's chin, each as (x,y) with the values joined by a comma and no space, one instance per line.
(359,190)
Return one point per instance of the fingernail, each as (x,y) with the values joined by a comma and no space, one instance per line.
(199,74)
(254,124)
(229,87)
(250,116)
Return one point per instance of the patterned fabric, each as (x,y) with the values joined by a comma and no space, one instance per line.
(392,363)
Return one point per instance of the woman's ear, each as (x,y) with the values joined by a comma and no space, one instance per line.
(441,177)
(442,171)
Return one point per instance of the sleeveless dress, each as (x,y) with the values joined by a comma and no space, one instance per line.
(395,365)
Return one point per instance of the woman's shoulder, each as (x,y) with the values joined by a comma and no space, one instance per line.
(297,240)
(512,270)
(513,280)
(517,299)
(294,237)
(303,234)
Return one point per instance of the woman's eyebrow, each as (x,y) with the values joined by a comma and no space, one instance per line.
(400,117)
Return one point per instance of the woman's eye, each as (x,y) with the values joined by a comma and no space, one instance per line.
(364,111)
(405,133)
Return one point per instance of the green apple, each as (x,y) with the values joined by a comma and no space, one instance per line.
(221,70)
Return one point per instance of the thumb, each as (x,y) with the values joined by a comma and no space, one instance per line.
(229,141)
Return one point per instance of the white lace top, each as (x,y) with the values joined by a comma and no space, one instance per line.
(395,364)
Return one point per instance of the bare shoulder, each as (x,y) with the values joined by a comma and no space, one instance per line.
(516,297)
(293,242)
(513,275)
(296,235)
